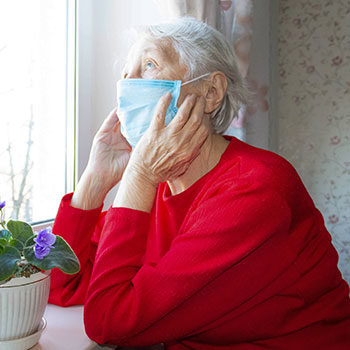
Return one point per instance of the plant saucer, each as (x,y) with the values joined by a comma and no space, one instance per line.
(26,342)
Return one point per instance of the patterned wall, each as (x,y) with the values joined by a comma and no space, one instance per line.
(314,107)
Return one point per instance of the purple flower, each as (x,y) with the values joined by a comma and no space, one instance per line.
(45,238)
(40,252)
(2,204)
(44,242)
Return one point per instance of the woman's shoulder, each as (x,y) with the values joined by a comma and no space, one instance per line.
(255,162)
(247,166)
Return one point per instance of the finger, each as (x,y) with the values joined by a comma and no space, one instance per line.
(194,147)
(183,113)
(200,137)
(124,142)
(197,114)
(111,121)
(116,126)
(159,117)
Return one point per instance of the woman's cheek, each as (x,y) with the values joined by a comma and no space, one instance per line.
(153,74)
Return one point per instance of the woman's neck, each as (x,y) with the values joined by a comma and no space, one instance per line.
(209,157)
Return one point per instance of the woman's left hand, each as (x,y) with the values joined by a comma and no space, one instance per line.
(165,152)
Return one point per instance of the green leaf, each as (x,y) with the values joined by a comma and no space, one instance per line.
(5,234)
(61,256)
(20,230)
(12,243)
(17,244)
(8,259)
(3,241)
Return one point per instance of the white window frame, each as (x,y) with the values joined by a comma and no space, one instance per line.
(71,102)
(83,93)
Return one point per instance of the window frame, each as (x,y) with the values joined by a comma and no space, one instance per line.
(71,106)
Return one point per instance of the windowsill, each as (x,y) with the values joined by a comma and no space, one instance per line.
(40,225)
(65,330)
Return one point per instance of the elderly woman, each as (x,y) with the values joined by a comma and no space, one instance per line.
(210,243)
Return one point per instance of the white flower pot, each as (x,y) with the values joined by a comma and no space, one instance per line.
(22,305)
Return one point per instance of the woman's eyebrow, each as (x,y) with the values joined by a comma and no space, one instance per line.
(153,52)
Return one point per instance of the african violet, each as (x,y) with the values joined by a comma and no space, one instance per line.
(23,252)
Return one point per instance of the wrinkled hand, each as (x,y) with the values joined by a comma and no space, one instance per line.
(165,152)
(110,153)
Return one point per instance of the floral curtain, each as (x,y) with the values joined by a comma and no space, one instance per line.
(234,20)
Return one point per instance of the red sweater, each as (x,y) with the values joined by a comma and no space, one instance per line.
(240,260)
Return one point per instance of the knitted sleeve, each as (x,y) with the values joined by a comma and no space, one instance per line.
(81,230)
(232,246)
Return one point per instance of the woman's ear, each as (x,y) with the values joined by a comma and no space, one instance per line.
(217,86)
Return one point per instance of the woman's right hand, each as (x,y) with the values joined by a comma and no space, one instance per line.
(109,156)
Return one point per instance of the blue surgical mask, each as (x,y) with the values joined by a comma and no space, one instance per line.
(137,100)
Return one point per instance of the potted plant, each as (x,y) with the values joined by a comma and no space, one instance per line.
(26,259)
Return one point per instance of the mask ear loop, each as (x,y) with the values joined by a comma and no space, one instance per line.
(194,79)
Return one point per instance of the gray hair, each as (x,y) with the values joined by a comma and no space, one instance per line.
(204,50)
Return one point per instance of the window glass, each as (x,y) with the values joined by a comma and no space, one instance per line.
(33,95)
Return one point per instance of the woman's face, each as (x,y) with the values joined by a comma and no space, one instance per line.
(158,60)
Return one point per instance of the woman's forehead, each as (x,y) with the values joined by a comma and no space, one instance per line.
(160,48)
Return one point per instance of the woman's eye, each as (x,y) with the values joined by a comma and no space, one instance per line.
(149,65)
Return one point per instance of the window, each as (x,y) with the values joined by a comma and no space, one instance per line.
(37,61)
